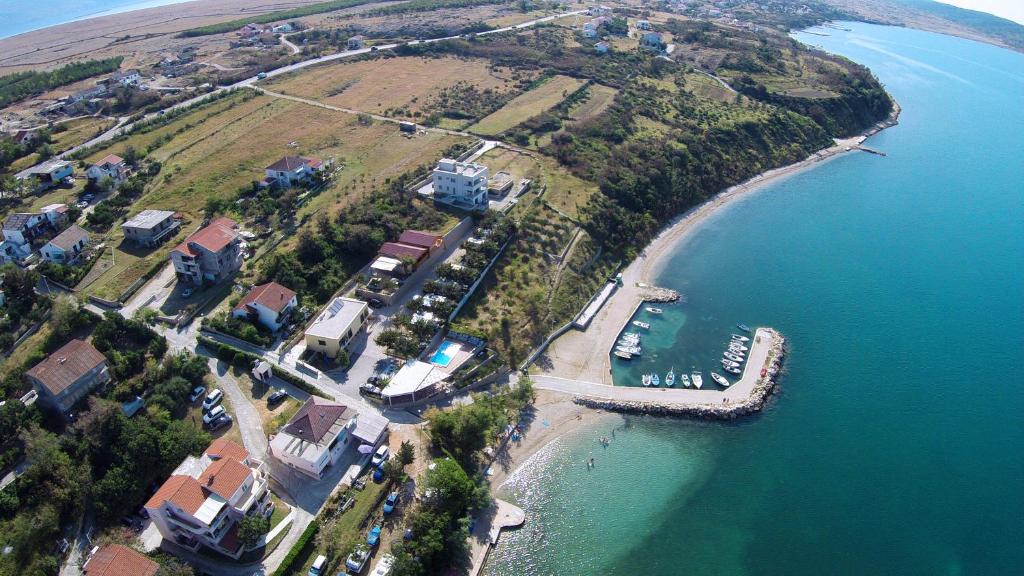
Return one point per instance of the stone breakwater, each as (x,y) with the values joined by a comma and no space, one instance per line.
(728,409)
(654,294)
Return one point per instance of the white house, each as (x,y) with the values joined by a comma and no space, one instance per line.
(205,499)
(643,25)
(336,326)
(21,227)
(292,170)
(210,255)
(590,30)
(269,304)
(126,78)
(55,214)
(282,28)
(111,166)
(413,381)
(315,437)
(150,227)
(67,246)
(602,47)
(52,173)
(461,184)
(356,42)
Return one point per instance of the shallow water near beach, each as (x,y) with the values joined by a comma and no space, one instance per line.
(895,446)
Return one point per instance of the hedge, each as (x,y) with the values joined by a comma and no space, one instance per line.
(297,549)
(246,360)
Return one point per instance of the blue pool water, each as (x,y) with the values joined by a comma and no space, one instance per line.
(444,354)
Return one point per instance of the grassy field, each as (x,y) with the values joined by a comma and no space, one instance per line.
(402,86)
(78,131)
(528,105)
(218,149)
(598,100)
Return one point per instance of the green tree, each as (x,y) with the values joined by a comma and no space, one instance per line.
(406,453)
(251,528)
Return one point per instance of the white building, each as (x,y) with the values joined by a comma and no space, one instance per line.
(269,304)
(413,381)
(111,166)
(319,434)
(66,247)
(205,498)
(292,170)
(150,227)
(126,78)
(461,184)
(334,329)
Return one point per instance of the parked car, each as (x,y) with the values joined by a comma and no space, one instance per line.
(383,567)
(197,393)
(390,502)
(370,389)
(276,397)
(81,204)
(378,474)
(212,399)
(380,455)
(88,197)
(223,421)
(356,561)
(318,566)
(375,303)
(212,415)
(373,537)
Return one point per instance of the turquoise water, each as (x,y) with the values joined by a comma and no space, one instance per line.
(896,444)
(17,16)
(443,356)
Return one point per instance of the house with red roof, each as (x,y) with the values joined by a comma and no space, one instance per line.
(118,560)
(269,304)
(110,166)
(209,255)
(205,498)
(292,170)
(68,375)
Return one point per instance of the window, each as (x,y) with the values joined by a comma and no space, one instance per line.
(321,342)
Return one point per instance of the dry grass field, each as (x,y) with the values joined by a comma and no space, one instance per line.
(218,149)
(599,98)
(393,83)
(527,105)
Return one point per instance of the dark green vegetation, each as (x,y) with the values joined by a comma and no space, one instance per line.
(103,463)
(429,6)
(276,16)
(23,308)
(20,85)
(1006,30)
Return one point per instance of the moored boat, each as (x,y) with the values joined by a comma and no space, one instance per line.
(655,380)
(697,379)
(720,379)
(634,350)
(685,378)
(732,357)
(730,363)
(654,310)
(640,324)
(731,369)
(670,378)
(645,379)
(623,355)
(738,346)
(740,338)
(743,327)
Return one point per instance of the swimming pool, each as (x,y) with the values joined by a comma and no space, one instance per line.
(444,354)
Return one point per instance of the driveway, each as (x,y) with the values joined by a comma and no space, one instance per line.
(247,418)
(153,293)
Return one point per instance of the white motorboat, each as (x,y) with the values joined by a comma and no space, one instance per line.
(738,346)
(629,341)
(654,310)
(730,363)
(630,334)
(685,378)
(640,324)
(655,380)
(720,379)
(670,378)
(697,379)
(731,370)
(732,357)
(623,355)
(740,338)
(739,353)
(645,379)
(635,350)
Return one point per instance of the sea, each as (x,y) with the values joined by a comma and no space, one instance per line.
(18,16)
(896,443)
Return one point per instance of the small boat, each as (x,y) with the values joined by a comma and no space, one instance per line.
(720,379)
(635,350)
(743,327)
(685,378)
(628,343)
(732,357)
(740,338)
(735,352)
(731,369)
(730,363)
(630,334)
(623,355)
(654,310)
(655,381)
(640,324)
(645,379)
(738,346)
(630,340)
(698,380)
(670,378)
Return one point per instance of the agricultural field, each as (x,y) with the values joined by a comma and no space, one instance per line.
(77,131)
(540,99)
(599,98)
(401,87)
(209,154)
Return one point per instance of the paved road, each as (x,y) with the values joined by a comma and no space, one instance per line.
(247,418)
(124,126)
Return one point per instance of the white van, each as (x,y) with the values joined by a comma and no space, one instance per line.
(318,566)
(383,568)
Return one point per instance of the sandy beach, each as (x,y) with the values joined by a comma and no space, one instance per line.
(583,355)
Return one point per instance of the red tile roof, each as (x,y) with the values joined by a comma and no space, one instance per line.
(65,366)
(214,237)
(315,419)
(183,491)
(110,159)
(419,238)
(224,476)
(271,295)
(118,560)
(224,448)
(397,250)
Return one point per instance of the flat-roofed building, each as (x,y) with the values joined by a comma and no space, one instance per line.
(460,184)
(334,329)
(150,227)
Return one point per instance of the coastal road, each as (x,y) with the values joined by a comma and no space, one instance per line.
(738,392)
(124,126)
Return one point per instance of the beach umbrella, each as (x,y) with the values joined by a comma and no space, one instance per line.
(365,448)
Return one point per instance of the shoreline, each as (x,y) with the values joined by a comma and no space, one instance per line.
(583,355)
